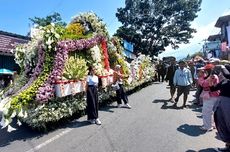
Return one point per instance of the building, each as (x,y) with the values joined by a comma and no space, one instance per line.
(8,41)
(223,23)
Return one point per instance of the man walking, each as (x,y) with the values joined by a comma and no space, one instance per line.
(183,80)
(161,70)
(169,76)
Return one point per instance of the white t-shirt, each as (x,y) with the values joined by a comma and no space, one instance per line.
(92,80)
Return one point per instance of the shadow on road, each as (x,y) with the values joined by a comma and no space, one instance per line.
(202,150)
(108,108)
(191,130)
(165,104)
(22,133)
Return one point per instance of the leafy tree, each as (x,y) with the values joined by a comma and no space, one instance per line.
(54,18)
(201,54)
(153,25)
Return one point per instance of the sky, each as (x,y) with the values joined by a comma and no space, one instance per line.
(211,10)
(15,14)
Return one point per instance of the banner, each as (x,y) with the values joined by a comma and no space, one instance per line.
(228,31)
(223,46)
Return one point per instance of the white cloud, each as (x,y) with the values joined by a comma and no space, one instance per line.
(226,12)
(203,32)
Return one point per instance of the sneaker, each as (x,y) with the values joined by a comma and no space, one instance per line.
(118,105)
(172,100)
(225,149)
(127,106)
(98,122)
(175,104)
(92,121)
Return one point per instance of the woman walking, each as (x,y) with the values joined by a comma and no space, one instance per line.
(92,97)
(209,98)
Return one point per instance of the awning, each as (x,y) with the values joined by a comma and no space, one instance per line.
(6,71)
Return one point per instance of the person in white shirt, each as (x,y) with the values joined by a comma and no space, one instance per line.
(183,80)
(92,97)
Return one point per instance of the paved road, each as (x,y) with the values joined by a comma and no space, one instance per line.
(152,125)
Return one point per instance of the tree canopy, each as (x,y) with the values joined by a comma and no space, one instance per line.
(153,25)
(54,18)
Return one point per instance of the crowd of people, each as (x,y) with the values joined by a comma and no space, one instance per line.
(212,83)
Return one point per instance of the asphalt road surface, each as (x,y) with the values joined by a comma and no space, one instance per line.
(152,125)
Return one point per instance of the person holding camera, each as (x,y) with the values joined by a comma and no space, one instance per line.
(120,92)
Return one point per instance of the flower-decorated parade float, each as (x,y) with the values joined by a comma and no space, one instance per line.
(54,65)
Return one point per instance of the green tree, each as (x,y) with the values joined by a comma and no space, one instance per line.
(153,25)
(54,18)
(201,54)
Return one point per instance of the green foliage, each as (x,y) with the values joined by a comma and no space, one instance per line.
(54,18)
(39,117)
(26,98)
(75,68)
(154,25)
(197,54)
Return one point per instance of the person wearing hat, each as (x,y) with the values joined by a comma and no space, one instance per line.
(183,80)
(209,98)
(120,92)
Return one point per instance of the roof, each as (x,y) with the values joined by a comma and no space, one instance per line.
(221,20)
(214,37)
(8,41)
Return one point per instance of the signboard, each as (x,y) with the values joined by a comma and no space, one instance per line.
(214,45)
(128,46)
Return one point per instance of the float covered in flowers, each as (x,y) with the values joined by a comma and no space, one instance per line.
(54,67)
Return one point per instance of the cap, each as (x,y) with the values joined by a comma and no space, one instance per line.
(209,66)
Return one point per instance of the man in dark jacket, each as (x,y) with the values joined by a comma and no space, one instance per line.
(169,76)
(161,70)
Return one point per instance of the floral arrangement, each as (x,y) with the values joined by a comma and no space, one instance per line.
(75,31)
(40,116)
(75,69)
(91,23)
(48,58)
(22,100)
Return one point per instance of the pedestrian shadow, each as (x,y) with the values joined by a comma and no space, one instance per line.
(157,82)
(108,108)
(202,150)
(165,104)
(191,130)
(23,133)
(78,124)
(194,107)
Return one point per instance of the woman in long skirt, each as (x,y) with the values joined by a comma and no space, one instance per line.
(92,97)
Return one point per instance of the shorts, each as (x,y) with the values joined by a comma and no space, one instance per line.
(183,89)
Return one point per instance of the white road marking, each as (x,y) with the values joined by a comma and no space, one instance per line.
(50,140)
